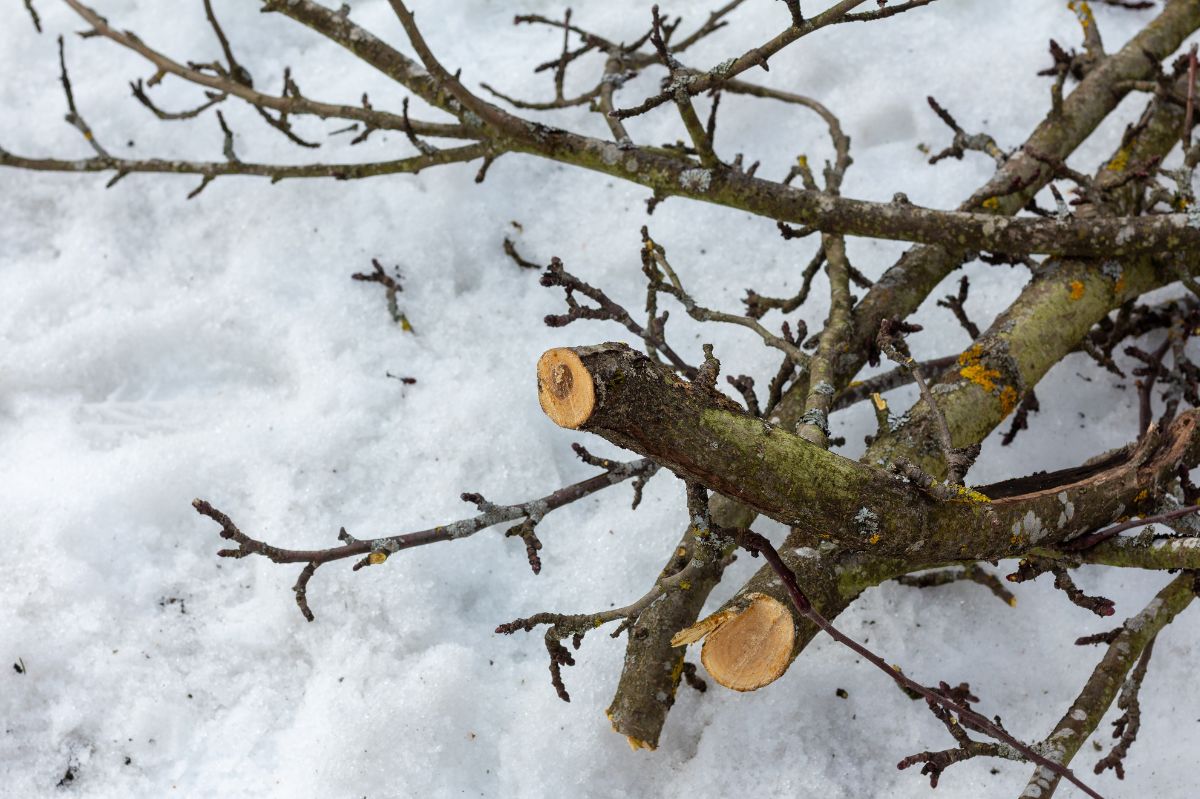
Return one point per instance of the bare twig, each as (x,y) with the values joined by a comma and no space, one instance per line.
(373,551)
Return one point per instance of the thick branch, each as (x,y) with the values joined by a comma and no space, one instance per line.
(1053,314)
(829,499)
(621,395)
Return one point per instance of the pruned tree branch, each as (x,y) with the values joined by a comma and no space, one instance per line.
(904,510)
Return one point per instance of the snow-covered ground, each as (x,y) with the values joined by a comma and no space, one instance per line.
(156,349)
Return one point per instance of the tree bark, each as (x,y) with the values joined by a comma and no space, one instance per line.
(647,685)
(837,503)
(1054,312)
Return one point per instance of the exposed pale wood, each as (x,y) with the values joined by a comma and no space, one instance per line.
(701,628)
(565,388)
(745,651)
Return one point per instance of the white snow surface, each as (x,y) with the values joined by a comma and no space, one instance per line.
(157,349)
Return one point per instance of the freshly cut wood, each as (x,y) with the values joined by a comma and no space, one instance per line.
(744,650)
(565,389)
(883,525)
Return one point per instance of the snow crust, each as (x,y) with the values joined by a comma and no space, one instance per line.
(156,349)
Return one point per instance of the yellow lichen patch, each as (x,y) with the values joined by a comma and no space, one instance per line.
(1141,495)
(1083,12)
(684,585)
(1119,161)
(802,161)
(991,203)
(970,495)
(874,539)
(980,375)
(377,557)
(1076,290)
(972,369)
(1008,400)
(972,355)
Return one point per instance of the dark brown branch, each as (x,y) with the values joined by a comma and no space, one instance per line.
(956,303)
(980,142)
(663,278)
(887,381)
(561,625)
(391,286)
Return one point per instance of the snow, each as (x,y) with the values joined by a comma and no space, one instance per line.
(157,349)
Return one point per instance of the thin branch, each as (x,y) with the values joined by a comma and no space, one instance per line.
(1127,726)
(1085,542)
(756,56)
(971,573)
(489,114)
(1089,707)
(33,15)
(374,551)
(276,172)
(228,85)
(656,267)
(891,342)
(887,381)
(73,116)
(710,542)
(607,309)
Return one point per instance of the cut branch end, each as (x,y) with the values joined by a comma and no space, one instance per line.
(565,388)
(747,650)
